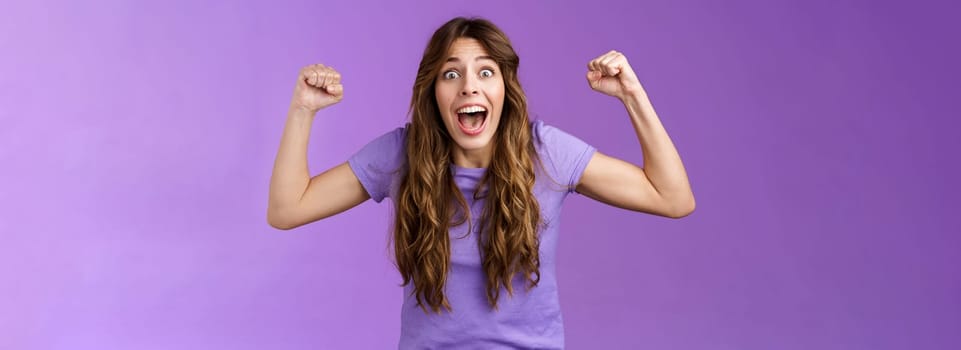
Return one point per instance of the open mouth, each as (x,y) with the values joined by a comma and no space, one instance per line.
(472,120)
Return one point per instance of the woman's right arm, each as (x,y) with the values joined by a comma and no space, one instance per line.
(296,198)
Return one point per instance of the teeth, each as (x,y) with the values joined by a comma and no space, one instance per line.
(472,109)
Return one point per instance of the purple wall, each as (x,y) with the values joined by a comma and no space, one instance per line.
(137,140)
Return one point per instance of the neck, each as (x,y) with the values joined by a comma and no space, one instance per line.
(476,158)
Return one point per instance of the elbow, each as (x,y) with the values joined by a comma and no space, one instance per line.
(683,209)
(277,221)
(279,225)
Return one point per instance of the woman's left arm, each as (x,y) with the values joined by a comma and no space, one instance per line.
(661,187)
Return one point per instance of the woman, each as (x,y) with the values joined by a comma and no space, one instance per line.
(477,187)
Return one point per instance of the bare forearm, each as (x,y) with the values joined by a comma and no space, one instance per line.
(662,163)
(291,175)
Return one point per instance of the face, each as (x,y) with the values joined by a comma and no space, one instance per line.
(470,97)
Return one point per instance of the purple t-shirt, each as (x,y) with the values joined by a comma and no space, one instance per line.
(529,319)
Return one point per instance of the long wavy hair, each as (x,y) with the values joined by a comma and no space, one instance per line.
(429,202)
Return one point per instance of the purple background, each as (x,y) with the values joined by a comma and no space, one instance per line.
(137,141)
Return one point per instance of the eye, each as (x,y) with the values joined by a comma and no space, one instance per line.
(486,73)
(451,75)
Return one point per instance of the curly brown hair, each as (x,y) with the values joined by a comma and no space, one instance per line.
(429,201)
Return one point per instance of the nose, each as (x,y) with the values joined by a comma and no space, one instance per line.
(470,87)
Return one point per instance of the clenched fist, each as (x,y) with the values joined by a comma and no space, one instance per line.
(318,86)
(611,75)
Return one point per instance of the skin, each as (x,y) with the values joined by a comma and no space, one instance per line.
(660,188)
(470,77)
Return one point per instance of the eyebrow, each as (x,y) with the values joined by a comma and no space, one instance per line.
(478,58)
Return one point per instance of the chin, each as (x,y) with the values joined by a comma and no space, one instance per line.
(473,143)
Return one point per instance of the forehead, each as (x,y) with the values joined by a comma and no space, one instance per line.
(466,49)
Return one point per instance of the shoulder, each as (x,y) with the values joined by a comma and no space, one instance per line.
(563,154)
(553,140)
(395,137)
(385,147)
(542,131)
(381,160)
(385,152)
(548,134)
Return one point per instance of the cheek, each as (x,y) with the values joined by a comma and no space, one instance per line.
(444,100)
(499,96)
(499,88)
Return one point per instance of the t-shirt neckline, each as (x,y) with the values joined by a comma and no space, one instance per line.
(459,168)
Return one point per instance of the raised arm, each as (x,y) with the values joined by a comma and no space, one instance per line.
(296,198)
(662,186)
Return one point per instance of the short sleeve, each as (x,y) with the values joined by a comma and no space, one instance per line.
(378,163)
(566,155)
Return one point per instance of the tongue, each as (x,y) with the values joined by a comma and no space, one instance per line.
(471,121)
